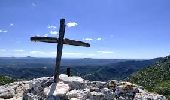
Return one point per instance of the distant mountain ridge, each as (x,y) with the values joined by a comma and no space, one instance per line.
(91,69)
(64,61)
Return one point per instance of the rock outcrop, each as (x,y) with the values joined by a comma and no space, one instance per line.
(75,88)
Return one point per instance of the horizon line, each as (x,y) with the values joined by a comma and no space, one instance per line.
(79,58)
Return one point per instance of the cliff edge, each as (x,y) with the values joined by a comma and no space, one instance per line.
(75,88)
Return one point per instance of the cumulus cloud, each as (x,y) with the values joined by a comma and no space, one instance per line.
(87,39)
(90,39)
(53,32)
(3,31)
(51,27)
(72,24)
(99,39)
(105,52)
(45,35)
(37,52)
(18,50)
(11,24)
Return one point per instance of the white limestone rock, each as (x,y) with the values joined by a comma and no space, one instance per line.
(78,94)
(13,91)
(149,96)
(74,88)
(57,89)
(108,94)
(96,96)
(74,81)
(98,84)
(38,83)
(65,78)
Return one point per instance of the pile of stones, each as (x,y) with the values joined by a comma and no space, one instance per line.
(75,88)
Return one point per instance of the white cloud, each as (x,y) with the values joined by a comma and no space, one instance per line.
(45,35)
(87,39)
(3,31)
(65,53)
(51,27)
(18,50)
(99,39)
(71,53)
(2,50)
(90,55)
(53,52)
(37,35)
(53,32)
(90,39)
(11,24)
(105,52)
(37,52)
(72,24)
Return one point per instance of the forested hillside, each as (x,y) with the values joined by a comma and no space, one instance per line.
(91,69)
(155,77)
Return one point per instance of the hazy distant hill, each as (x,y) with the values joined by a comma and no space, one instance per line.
(118,71)
(19,61)
(155,77)
(91,69)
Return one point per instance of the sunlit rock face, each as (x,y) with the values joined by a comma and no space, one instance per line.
(13,91)
(74,88)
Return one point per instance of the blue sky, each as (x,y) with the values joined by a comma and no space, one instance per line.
(114,28)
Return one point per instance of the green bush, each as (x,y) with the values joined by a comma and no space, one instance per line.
(5,80)
(163,88)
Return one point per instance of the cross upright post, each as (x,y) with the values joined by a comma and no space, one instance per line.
(59,50)
(60,42)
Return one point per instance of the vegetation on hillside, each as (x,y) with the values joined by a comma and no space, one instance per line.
(155,78)
(5,80)
(29,68)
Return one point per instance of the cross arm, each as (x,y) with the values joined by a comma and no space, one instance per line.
(45,39)
(55,40)
(76,43)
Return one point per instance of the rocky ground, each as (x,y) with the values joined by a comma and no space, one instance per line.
(75,88)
